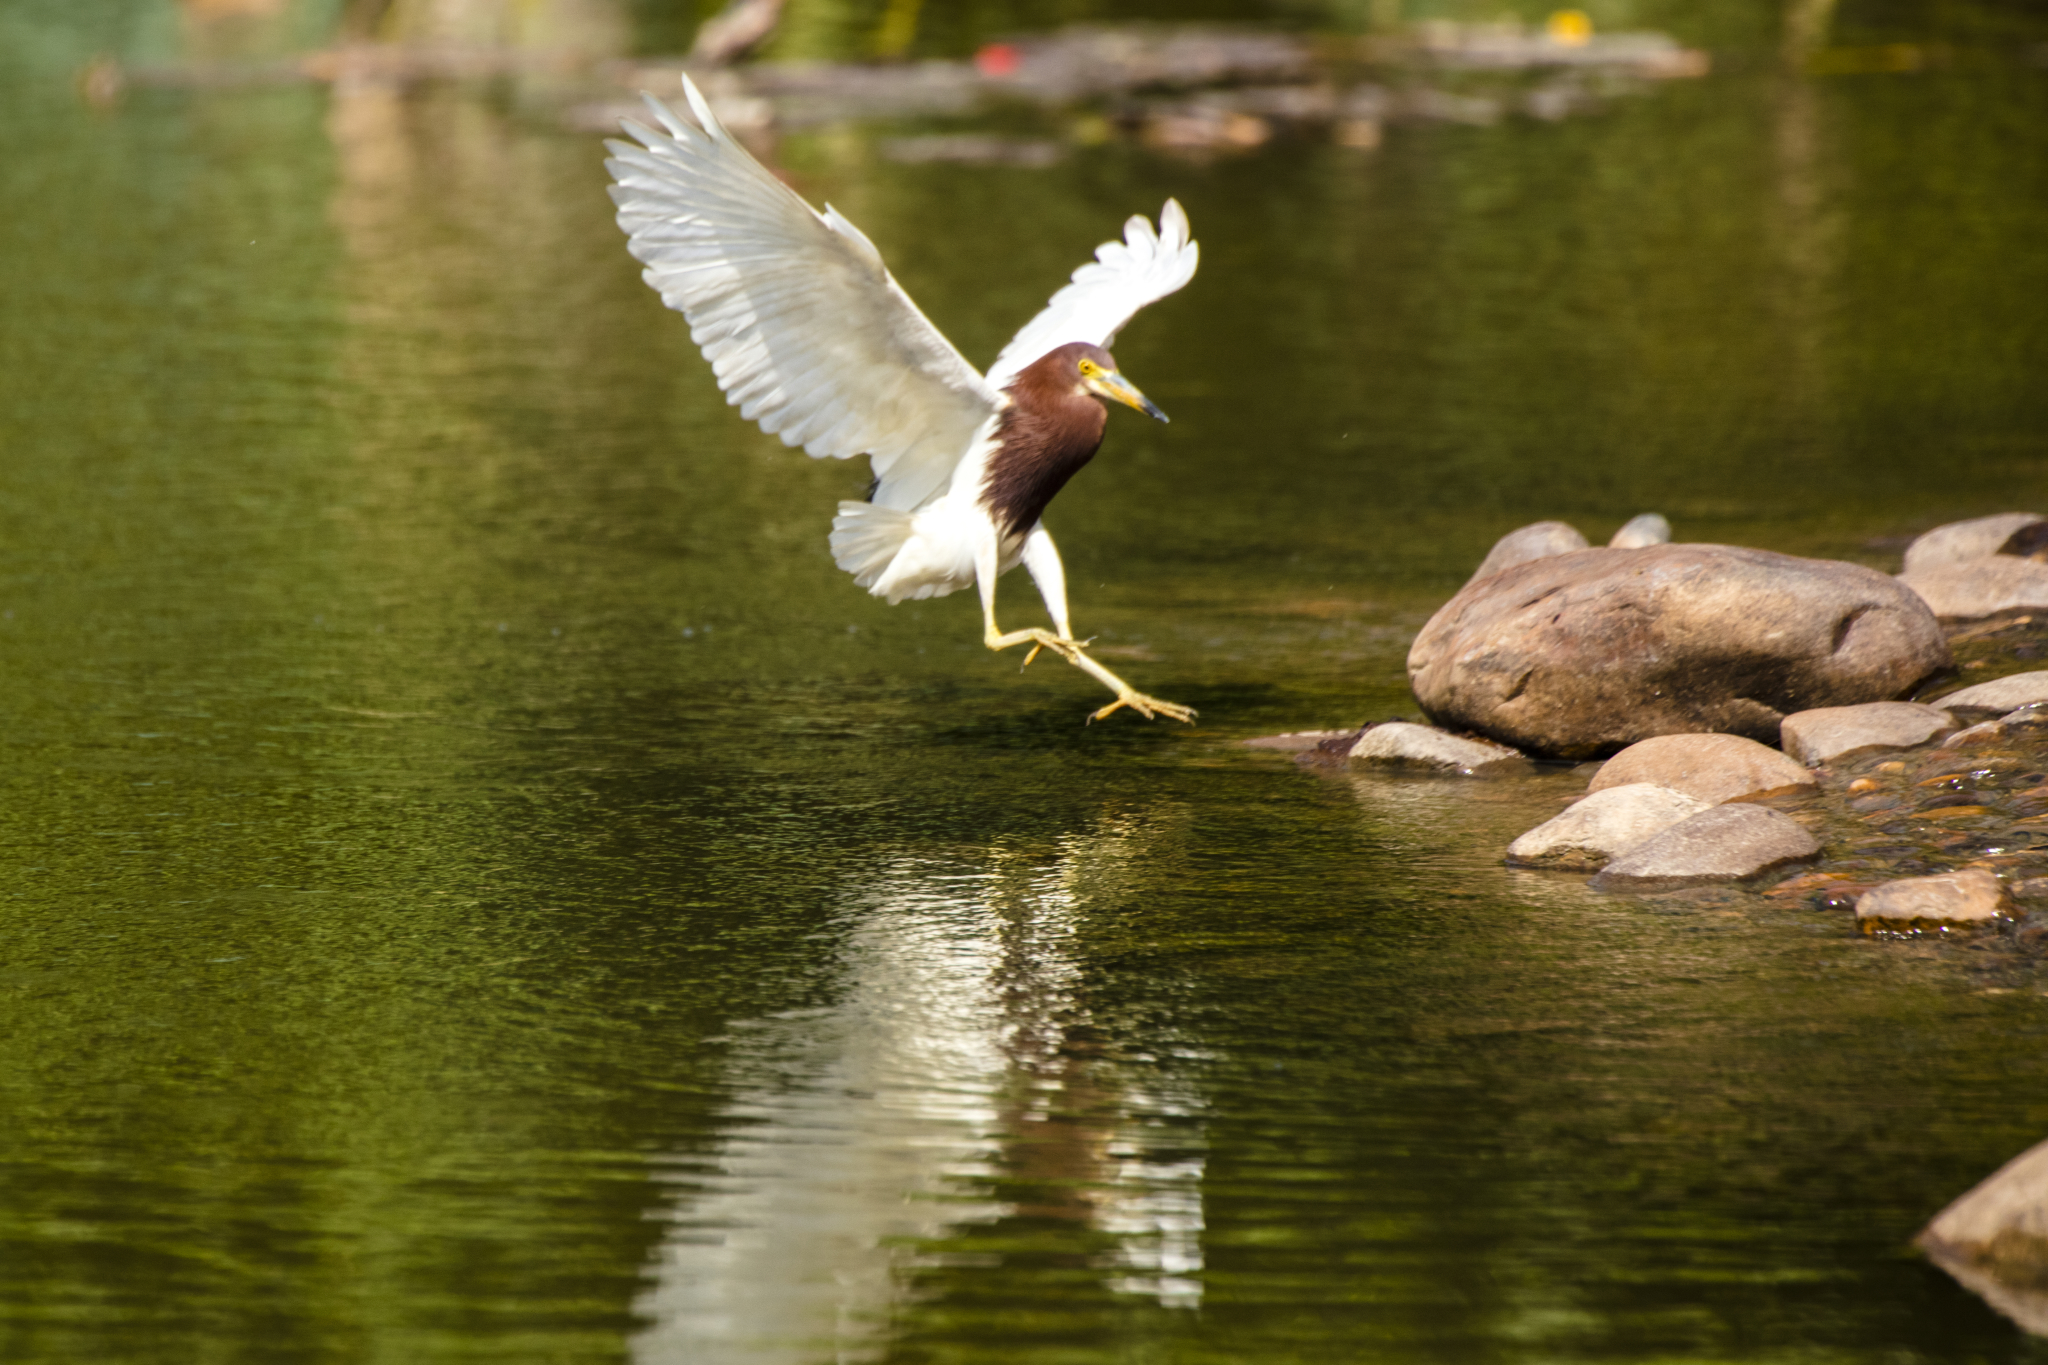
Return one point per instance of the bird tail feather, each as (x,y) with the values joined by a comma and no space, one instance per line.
(865,539)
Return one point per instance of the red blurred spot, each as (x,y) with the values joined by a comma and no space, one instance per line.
(996,59)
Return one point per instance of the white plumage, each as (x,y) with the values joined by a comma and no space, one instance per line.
(811,337)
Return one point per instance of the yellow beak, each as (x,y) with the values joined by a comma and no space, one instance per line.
(1113,385)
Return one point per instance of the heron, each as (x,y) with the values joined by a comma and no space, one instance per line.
(811,337)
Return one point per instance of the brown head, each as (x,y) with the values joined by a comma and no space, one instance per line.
(1083,368)
(1051,428)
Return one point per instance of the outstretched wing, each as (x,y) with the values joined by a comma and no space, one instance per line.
(1124,276)
(808,333)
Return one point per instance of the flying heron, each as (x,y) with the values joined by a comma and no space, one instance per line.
(811,337)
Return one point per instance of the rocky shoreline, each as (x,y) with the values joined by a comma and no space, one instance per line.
(1805,731)
(1797,728)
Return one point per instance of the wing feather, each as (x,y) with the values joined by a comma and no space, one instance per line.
(807,332)
(1143,268)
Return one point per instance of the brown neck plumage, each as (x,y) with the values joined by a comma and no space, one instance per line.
(1042,439)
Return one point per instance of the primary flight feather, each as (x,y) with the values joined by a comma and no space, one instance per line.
(811,337)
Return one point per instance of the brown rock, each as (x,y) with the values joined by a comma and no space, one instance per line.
(1971,896)
(1602,826)
(1829,732)
(1649,528)
(1724,844)
(1994,1239)
(1419,746)
(1965,540)
(1997,697)
(1580,654)
(1538,540)
(1712,768)
(1980,587)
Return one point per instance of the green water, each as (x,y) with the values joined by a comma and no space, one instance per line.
(477,883)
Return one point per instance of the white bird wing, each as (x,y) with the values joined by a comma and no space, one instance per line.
(1143,268)
(808,333)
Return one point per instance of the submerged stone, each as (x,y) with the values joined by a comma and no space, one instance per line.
(1711,768)
(1730,843)
(1421,746)
(1829,732)
(1603,826)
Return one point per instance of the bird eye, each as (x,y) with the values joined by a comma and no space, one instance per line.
(1088,367)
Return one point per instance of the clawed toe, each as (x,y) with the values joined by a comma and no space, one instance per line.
(1151,708)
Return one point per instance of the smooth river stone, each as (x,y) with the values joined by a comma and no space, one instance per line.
(1580,654)
(1421,746)
(1710,768)
(1724,844)
(1827,733)
(1981,587)
(1649,528)
(1538,540)
(1997,697)
(1965,540)
(1603,826)
(1994,1239)
(1971,896)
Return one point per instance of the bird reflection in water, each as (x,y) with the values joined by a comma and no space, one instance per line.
(811,337)
(953,1086)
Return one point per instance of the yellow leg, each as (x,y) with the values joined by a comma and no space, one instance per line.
(1151,708)
(1043,562)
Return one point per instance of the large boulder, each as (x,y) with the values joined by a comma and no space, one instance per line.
(1538,540)
(1995,1239)
(1966,540)
(1577,655)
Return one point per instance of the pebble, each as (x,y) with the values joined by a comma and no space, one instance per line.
(1827,733)
(1727,843)
(1961,541)
(1997,697)
(1712,768)
(1423,746)
(1971,896)
(1647,528)
(1603,826)
(1994,1239)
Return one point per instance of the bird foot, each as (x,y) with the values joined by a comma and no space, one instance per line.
(1151,708)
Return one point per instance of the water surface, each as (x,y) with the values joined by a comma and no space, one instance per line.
(478,883)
